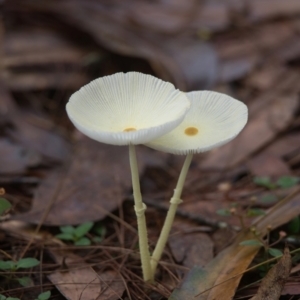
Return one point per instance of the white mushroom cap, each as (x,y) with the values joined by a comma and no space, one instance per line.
(131,108)
(213,120)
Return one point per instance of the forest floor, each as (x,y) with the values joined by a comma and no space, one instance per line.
(70,232)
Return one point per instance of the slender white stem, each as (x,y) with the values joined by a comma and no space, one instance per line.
(140,208)
(174,202)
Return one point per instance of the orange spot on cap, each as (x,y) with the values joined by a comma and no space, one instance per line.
(191,131)
(129,129)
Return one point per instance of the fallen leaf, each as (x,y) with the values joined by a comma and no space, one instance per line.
(272,284)
(190,248)
(266,77)
(285,146)
(82,282)
(291,288)
(261,9)
(187,61)
(96,182)
(32,138)
(220,278)
(267,164)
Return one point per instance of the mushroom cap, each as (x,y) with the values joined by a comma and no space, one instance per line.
(213,120)
(127,108)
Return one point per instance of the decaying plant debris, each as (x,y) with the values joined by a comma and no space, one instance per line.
(53,176)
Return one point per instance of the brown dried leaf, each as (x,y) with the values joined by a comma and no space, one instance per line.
(41,80)
(220,278)
(187,61)
(190,248)
(38,140)
(267,164)
(291,288)
(82,282)
(265,9)
(273,283)
(42,47)
(96,182)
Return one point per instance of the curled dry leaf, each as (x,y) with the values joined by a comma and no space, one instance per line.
(273,283)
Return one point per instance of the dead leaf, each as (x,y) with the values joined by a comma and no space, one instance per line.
(220,278)
(43,141)
(190,248)
(291,288)
(266,77)
(187,61)
(272,284)
(41,80)
(38,47)
(96,182)
(207,206)
(285,146)
(261,9)
(82,282)
(267,164)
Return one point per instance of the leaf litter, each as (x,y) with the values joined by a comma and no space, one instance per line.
(251,52)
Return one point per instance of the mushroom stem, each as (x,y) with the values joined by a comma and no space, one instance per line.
(140,208)
(174,202)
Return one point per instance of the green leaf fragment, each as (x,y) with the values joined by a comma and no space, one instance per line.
(83,229)
(252,212)
(251,243)
(287,181)
(28,262)
(25,281)
(4,206)
(223,212)
(268,199)
(7,265)
(275,252)
(2,297)
(264,181)
(83,242)
(67,229)
(44,296)
(65,236)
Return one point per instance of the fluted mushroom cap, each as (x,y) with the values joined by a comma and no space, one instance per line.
(212,120)
(127,108)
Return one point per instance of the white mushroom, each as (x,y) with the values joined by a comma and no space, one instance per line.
(123,109)
(129,109)
(213,120)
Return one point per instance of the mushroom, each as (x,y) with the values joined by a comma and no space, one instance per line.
(213,120)
(129,109)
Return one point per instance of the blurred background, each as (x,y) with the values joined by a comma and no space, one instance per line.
(248,49)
